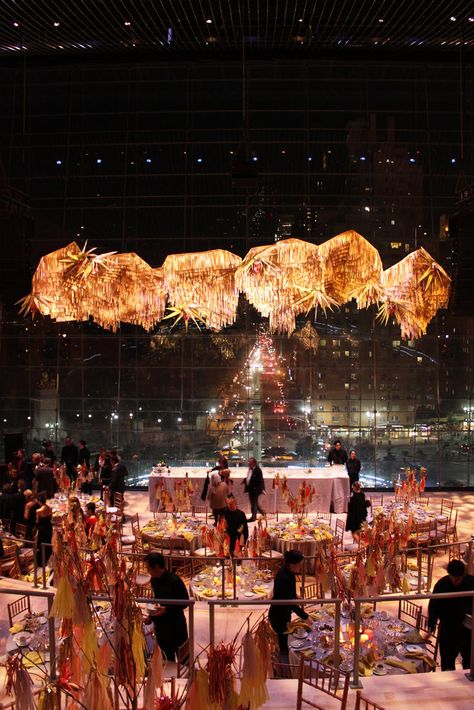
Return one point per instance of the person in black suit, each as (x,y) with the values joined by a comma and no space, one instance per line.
(237,527)
(170,623)
(284,587)
(70,457)
(337,456)
(118,475)
(254,486)
(45,481)
(356,511)
(353,467)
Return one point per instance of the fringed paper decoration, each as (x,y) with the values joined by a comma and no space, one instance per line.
(414,290)
(276,278)
(19,683)
(253,688)
(220,669)
(64,605)
(282,281)
(351,264)
(205,282)
(97,693)
(154,679)
(198,695)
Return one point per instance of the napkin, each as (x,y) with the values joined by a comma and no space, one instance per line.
(258,590)
(33,658)
(422,656)
(292,625)
(408,666)
(414,636)
(18,626)
(365,670)
(189,536)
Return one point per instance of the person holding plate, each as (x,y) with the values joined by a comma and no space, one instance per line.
(171,630)
(284,587)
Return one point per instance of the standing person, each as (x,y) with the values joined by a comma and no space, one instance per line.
(48,452)
(284,587)
(84,461)
(454,637)
(45,481)
(70,457)
(117,477)
(356,511)
(84,455)
(237,527)
(337,456)
(105,476)
(255,487)
(44,525)
(217,496)
(222,466)
(353,467)
(170,623)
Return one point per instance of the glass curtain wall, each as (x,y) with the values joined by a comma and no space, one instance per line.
(160,159)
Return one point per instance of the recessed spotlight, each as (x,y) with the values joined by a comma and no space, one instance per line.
(208,22)
(127,23)
(452,18)
(59,162)
(148,160)
(199,160)
(98,161)
(55,24)
(15,24)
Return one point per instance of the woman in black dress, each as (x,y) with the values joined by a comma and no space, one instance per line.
(356,511)
(44,525)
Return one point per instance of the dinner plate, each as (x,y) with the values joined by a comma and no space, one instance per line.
(249,594)
(297,643)
(22,639)
(413,647)
(382,615)
(380,669)
(299,634)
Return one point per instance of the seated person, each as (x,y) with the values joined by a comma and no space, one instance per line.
(91,519)
(237,526)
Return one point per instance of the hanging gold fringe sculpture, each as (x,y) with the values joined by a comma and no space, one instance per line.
(352,266)
(282,280)
(414,290)
(201,286)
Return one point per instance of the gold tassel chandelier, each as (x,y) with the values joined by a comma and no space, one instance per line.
(281,280)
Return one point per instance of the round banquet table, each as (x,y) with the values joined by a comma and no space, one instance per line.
(250,583)
(401,511)
(60,504)
(386,633)
(306,536)
(179,533)
(331,484)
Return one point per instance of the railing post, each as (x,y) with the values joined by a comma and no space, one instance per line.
(470,560)
(223,578)
(234,575)
(419,560)
(43,562)
(337,632)
(356,681)
(470,675)
(212,624)
(52,641)
(35,568)
(191,637)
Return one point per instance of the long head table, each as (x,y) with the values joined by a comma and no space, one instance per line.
(331,485)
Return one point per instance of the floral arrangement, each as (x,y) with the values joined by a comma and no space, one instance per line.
(184,491)
(413,483)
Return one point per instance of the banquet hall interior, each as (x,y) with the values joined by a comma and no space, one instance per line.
(236,354)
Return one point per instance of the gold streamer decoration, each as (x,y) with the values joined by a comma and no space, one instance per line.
(203,282)
(351,264)
(281,280)
(414,290)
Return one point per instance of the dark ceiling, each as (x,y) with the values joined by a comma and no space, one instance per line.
(216,28)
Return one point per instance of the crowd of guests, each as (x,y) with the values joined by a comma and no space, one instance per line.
(28,483)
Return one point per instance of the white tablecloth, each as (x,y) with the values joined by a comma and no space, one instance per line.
(331,485)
